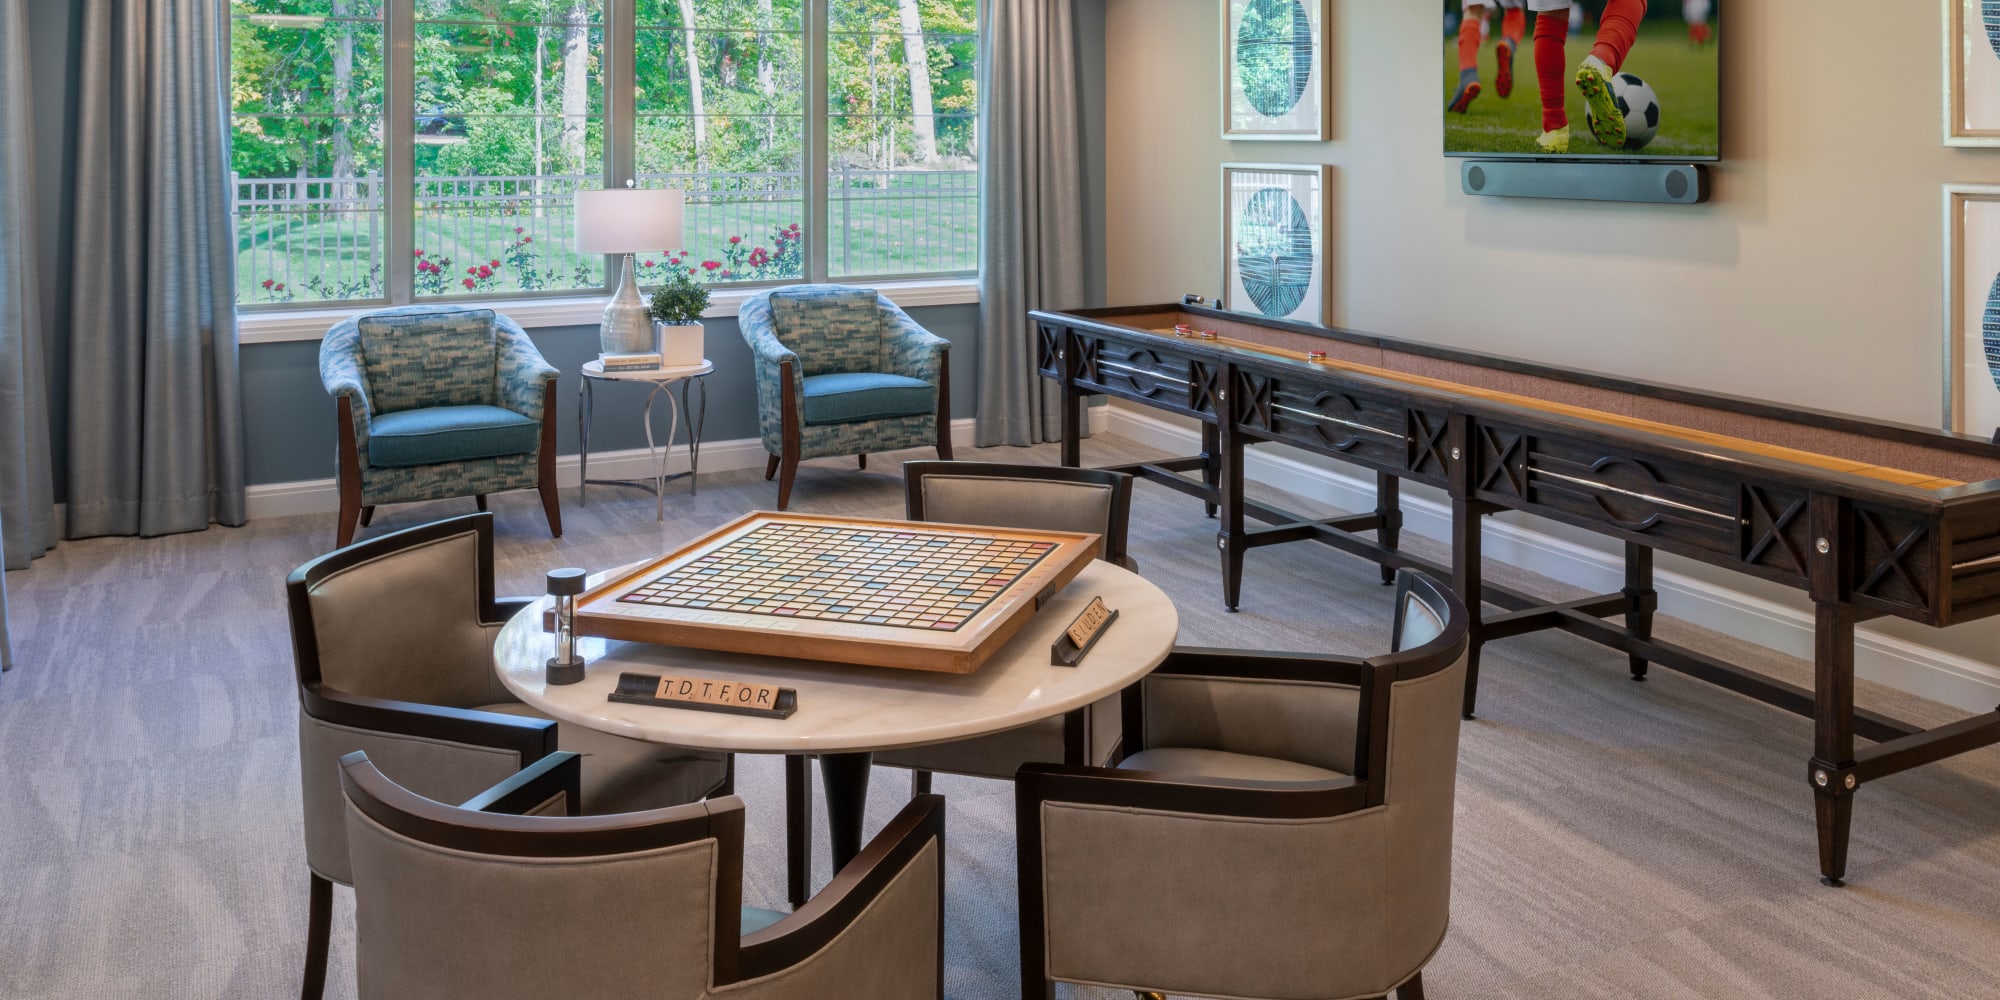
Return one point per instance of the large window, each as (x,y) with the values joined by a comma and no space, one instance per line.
(817,139)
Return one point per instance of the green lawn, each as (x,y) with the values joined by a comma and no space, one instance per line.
(319,258)
(1685,78)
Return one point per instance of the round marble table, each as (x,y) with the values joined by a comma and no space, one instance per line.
(847,712)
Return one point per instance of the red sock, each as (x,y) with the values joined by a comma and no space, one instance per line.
(1617,30)
(1551,64)
(1513,25)
(1468,43)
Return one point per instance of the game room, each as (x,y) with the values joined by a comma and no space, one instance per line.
(1095,498)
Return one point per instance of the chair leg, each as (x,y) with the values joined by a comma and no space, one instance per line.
(1412,989)
(798,828)
(920,783)
(788,469)
(864,459)
(319,928)
(770,467)
(480,500)
(367,514)
(551,506)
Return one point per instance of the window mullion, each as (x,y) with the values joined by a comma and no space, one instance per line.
(399,163)
(816,132)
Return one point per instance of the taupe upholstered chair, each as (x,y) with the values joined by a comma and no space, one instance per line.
(1050,498)
(1279,827)
(457,902)
(393,641)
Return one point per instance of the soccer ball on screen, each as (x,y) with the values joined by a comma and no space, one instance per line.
(1641,107)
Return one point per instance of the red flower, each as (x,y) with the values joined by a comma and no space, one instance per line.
(726,274)
(468,282)
(420,253)
(486,272)
(518,230)
(759,257)
(736,239)
(527,239)
(711,264)
(647,264)
(492,263)
(281,286)
(267,282)
(472,270)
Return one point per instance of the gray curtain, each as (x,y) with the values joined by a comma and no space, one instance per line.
(27,495)
(155,412)
(1031,242)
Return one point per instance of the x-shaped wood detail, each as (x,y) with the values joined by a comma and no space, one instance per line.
(1426,442)
(1203,388)
(1759,505)
(1253,395)
(1898,551)
(1499,455)
(1050,338)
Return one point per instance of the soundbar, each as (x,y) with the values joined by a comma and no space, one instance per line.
(1662,183)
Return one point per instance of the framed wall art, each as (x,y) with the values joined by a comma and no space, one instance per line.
(1972,309)
(1274,239)
(1274,79)
(1972,72)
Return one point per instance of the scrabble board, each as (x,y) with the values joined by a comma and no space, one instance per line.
(900,594)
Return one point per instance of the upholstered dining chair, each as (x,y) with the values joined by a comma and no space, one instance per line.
(393,643)
(482,904)
(842,371)
(996,494)
(433,402)
(1280,825)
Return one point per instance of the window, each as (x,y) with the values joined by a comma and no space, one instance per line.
(782,119)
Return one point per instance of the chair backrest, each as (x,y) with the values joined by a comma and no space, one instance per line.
(450,902)
(422,356)
(1050,498)
(1420,739)
(408,616)
(832,328)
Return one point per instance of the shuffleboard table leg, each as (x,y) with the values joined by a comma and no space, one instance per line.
(1210,472)
(1831,771)
(1230,538)
(1639,590)
(1467,582)
(1389,509)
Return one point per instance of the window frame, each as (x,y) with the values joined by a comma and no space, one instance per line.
(273,322)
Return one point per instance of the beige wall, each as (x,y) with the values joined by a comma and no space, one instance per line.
(1813,277)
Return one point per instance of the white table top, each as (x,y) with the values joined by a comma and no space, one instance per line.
(595,369)
(845,708)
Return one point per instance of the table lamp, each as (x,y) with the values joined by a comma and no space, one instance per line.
(627,221)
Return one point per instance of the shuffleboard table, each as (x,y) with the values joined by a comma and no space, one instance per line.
(1870,519)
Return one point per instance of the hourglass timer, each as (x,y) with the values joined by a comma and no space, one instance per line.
(566,667)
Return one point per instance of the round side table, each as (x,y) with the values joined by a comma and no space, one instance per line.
(659,382)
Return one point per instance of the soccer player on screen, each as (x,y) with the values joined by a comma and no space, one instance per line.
(1617,29)
(1471,33)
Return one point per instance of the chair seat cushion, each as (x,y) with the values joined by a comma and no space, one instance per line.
(845,397)
(621,775)
(1198,763)
(755,919)
(449,434)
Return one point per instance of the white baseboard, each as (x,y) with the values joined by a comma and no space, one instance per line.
(1932,673)
(321,496)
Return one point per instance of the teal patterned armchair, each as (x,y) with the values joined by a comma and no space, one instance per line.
(435,402)
(842,371)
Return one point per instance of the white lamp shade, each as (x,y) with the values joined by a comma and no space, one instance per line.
(628,220)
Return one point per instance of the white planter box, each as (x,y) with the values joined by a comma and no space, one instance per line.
(679,345)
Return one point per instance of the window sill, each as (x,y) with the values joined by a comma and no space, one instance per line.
(283,326)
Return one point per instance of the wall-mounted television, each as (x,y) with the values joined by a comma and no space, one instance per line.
(1657,63)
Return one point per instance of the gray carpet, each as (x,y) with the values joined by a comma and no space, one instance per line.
(1613,839)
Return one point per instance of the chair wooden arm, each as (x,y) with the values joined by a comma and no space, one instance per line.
(1245,664)
(1152,790)
(506,608)
(559,773)
(837,907)
(532,739)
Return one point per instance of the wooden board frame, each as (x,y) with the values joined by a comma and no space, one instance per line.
(960,651)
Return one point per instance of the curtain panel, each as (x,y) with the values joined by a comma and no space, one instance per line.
(1031,238)
(155,412)
(27,493)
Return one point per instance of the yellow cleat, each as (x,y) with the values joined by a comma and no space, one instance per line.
(1555,140)
(1607,122)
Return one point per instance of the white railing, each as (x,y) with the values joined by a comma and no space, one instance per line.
(315,238)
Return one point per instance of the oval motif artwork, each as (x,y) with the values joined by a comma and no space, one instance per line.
(1274,55)
(1989,12)
(1989,331)
(1274,251)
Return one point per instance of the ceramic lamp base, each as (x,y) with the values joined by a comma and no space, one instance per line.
(627,327)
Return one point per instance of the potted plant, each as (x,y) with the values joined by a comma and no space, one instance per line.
(677,307)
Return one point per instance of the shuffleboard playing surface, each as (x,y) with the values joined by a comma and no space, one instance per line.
(884,593)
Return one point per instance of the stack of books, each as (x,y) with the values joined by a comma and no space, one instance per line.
(629,362)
